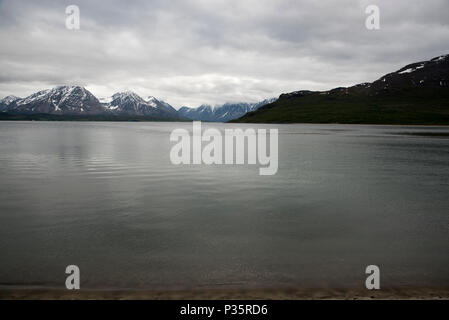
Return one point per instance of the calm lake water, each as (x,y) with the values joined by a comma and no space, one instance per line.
(105,196)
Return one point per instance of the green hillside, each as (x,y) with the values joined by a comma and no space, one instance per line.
(425,106)
(415,94)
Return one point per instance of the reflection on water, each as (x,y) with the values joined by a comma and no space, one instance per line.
(104,196)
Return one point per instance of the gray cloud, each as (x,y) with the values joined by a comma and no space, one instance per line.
(201,51)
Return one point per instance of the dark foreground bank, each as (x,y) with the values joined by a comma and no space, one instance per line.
(232,294)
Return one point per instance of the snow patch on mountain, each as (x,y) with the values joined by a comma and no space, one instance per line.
(410,70)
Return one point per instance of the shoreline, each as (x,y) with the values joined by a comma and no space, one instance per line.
(402,293)
(236,123)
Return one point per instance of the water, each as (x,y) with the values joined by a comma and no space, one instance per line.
(104,196)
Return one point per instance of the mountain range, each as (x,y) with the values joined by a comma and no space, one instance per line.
(75,102)
(222,113)
(415,94)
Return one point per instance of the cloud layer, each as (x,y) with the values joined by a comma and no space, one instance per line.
(192,52)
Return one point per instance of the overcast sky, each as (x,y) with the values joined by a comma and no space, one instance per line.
(191,52)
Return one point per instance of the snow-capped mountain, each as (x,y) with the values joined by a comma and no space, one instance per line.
(223,113)
(70,100)
(204,113)
(76,100)
(129,103)
(161,105)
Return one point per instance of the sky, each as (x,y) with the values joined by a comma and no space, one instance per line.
(193,52)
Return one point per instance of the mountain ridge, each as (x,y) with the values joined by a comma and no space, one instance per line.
(222,113)
(71,101)
(417,93)
(78,101)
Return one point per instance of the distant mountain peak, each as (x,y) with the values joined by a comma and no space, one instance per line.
(130,103)
(221,113)
(58,100)
(127,95)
